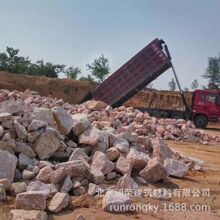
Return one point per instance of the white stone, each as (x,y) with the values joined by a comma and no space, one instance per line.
(20,214)
(46,145)
(176,168)
(80,123)
(58,202)
(8,163)
(31,200)
(63,119)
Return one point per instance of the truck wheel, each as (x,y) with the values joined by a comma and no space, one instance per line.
(200,121)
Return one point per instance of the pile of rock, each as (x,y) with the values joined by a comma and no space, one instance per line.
(120,119)
(50,150)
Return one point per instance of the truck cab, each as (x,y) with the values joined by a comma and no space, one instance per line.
(205,107)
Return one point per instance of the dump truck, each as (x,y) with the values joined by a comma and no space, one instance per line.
(204,105)
(143,68)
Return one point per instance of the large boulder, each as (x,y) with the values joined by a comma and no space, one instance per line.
(12,106)
(31,200)
(47,189)
(8,163)
(24,148)
(126,182)
(63,119)
(112,153)
(18,187)
(8,145)
(80,123)
(124,165)
(154,171)
(74,168)
(160,149)
(101,162)
(58,202)
(176,168)
(24,161)
(36,124)
(20,214)
(46,145)
(27,174)
(121,144)
(139,159)
(57,175)
(44,174)
(95,176)
(45,115)
(95,189)
(20,130)
(90,136)
(78,154)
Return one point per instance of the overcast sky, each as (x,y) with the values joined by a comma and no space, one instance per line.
(74,32)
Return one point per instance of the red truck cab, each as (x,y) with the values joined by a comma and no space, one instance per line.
(205,107)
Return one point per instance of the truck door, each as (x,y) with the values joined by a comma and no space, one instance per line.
(210,106)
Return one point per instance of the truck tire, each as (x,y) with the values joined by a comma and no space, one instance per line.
(200,121)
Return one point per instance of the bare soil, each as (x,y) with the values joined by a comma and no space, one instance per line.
(72,91)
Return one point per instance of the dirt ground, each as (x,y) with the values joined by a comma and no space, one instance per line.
(72,91)
(208,178)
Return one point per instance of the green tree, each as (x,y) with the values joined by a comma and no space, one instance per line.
(87,78)
(72,72)
(172,85)
(195,84)
(11,62)
(99,68)
(212,72)
(45,69)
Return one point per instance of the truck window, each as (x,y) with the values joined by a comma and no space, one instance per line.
(210,98)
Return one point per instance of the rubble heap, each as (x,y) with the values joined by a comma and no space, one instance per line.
(50,150)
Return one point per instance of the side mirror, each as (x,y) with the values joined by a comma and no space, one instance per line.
(217,100)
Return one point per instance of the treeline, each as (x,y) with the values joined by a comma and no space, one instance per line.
(99,69)
(10,61)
